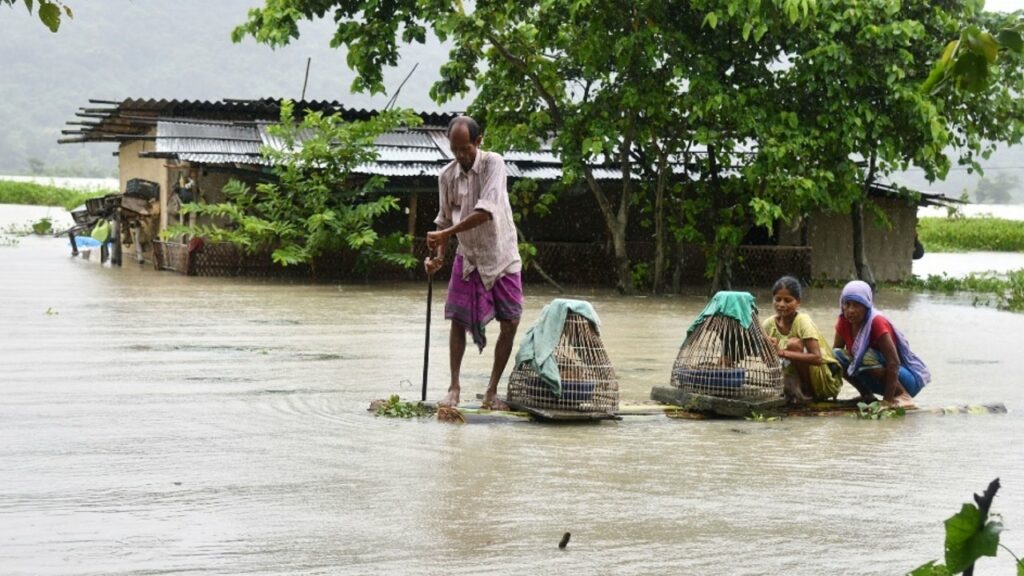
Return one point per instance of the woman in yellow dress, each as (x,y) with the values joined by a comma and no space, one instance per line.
(810,370)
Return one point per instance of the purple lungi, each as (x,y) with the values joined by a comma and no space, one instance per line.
(472,306)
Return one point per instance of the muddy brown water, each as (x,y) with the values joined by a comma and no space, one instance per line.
(152,423)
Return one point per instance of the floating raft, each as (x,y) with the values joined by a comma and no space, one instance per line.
(699,406)
(704,403)
(551,415)
(475,414)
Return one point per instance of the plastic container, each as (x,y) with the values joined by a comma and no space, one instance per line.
(574,391)
(711,377)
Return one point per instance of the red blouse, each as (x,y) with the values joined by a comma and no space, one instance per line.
(879,327)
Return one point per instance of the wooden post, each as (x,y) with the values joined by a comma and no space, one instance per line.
(115,246)
(411,228)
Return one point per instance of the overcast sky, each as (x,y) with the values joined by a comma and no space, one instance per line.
(1004,5)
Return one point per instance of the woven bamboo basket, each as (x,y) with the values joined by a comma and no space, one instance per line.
(721,358)
(588,380)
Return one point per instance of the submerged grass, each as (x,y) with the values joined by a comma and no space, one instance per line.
(965,234)
(1004,291)
(39,195)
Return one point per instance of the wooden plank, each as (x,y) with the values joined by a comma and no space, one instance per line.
(721,406)
(563,415)
(849,407)
(476,414)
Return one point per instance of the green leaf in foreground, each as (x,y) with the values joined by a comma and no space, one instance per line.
(967,540)
(930,569)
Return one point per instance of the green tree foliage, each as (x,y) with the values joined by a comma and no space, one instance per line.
(316,204)
(775,107)
(623,84)
(50,11)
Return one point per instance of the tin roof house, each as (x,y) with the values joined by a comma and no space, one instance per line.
(170,150)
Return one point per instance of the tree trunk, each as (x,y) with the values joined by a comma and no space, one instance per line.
(536,265)
(723,269)
(860,259)
(677,272)
(659,225)
(624,272)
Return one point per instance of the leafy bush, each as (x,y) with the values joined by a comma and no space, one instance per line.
(964,234)
(315,205)
(39,195)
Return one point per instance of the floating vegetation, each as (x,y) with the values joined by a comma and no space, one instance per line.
(1004,291)
(40,195)
(966,234)
(43,226)
(876,411)
(762,417)
(394,407)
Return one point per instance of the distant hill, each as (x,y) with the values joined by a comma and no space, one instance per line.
(116,49)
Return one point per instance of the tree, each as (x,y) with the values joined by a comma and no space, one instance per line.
(50,11)
(717,115)
(855,80)
(996,190)
(316,204)
(603,79)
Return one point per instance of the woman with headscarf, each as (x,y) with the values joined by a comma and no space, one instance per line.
(875,356)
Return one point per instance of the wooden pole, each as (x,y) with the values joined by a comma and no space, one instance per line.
(306,80)
(426,345)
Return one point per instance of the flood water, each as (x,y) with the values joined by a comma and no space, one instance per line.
(152,423)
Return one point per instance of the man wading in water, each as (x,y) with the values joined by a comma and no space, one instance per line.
(485,282)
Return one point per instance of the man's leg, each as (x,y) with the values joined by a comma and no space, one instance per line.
(502,352)
(456,350)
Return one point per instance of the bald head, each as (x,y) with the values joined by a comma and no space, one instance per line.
(469,123)
(464,139)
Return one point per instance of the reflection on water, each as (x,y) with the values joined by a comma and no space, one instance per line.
(156,423)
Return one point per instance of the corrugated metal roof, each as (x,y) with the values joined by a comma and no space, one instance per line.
(227,131)
(407,169)
(440,139)
(221,139)
(191,145)
(206,138)
(409,154)
(555,172)
(133,116)
(410,138)
(223,159)
(542,157)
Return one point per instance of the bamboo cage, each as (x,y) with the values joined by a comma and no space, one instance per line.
(588,380)
(721,358)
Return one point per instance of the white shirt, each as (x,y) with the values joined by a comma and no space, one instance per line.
(491,248)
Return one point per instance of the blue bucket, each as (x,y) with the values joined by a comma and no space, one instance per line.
(711,377)
(574,391)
